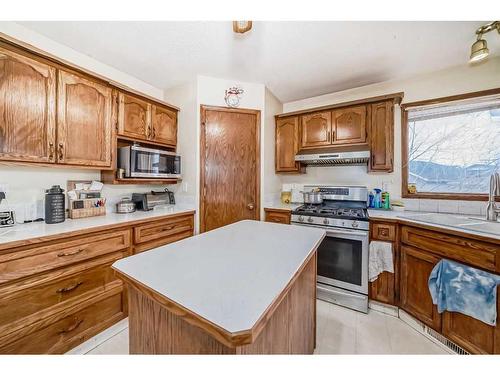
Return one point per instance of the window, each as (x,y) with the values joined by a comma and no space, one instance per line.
(451,147)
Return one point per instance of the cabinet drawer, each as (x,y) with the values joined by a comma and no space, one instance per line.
(161,229)
(61,332)
(24,263)
(278,217)
(41,295)
(461,249)
(383,231)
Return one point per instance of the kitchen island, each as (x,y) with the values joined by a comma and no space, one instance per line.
(246,288)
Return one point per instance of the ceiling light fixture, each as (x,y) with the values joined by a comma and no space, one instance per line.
(479,50)
(241,27)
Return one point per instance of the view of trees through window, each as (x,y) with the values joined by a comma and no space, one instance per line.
(454,153)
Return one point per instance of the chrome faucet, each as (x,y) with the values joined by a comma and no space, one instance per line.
(492,210)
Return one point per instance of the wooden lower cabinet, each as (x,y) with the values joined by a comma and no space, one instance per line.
(56,294)
(416,266)
(275,215)
(383,289)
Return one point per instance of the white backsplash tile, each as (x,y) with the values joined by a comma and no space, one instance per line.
(470,207)
(448,207)
(428,205)
(412,204)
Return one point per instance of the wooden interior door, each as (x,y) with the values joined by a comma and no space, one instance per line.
(349,125)
(134,117)
(27,108)
(416,266)
(382,137)
(287,144)
(164,125)
(316,130)
(84,122)
(230,166)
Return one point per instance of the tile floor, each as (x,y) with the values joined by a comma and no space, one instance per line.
(340,331)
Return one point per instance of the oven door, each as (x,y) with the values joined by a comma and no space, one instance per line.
(343,259)
(146,162)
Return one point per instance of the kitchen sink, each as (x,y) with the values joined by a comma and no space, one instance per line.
(475,224)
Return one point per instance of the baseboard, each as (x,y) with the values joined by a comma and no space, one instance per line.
(384,308)
(100,338)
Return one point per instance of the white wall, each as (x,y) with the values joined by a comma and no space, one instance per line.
(27,183)
(456,80)
(210,91)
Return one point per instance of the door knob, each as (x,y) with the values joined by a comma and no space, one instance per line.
(250,206)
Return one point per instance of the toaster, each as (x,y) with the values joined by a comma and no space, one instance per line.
(147,201)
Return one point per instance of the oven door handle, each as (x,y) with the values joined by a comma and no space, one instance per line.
(358,233)
(347,232)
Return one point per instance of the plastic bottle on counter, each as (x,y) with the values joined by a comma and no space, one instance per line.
(386,204)
(377,200)
(371,198)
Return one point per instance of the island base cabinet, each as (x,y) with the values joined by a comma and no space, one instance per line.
(159,326)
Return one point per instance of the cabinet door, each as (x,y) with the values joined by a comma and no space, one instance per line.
(316,130)
(287,144)
(382,137)
(349,125)
(27,109)
(84,122)
(134,117)
(164,125)
(469,333)
(416,266)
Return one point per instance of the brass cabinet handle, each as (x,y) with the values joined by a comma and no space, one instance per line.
(148,133)
(154,132)
(51,150)
(71,253)
(61,151)
(328,138)
(250,206)
(69,288)
(72,328)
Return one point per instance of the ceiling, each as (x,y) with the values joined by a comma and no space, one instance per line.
(295,60)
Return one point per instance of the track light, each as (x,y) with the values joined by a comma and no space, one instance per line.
(479,50)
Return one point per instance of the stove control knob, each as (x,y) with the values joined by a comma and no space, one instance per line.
(310,219)
(355,224)
(325,221)
(301,218)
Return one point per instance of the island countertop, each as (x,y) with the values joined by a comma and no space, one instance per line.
(228,276)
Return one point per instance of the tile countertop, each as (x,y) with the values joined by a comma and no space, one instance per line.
(22,232)
(230,275)
(469,224)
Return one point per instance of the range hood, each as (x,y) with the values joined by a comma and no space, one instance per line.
(335,158)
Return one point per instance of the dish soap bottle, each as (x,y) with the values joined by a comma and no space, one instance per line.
(377,200)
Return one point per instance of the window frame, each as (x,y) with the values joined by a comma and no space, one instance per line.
(404,148)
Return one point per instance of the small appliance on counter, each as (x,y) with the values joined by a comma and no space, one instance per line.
(144,162)
(55,205)
(7,218)
(125,206)
(148,201)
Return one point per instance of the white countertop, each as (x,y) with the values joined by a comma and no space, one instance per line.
(470,224)
(282,206)
(20,232)
(229,275)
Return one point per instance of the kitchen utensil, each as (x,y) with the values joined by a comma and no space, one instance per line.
(55,203)
(312,197)
(125,206)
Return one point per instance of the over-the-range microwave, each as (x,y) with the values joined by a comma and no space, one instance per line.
(145,162)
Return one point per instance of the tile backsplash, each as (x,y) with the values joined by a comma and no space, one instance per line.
(446,206)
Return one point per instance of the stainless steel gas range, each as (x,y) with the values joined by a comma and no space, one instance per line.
(343,254)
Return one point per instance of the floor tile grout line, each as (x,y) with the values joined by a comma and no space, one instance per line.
(105,341)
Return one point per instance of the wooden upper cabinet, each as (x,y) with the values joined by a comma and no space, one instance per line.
(382,137)
(287,144)
(164,125)
(316,130)
(134,117)
(84,121)
(349,125)
(27,109)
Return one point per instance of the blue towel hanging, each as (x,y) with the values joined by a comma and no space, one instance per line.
(460,288)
